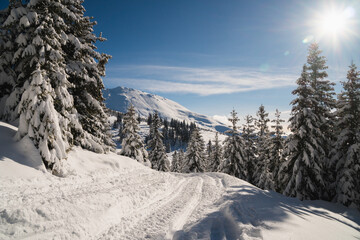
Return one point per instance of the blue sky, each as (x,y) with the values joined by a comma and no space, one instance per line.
(212,56)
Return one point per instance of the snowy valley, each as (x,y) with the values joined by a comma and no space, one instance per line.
(107,196)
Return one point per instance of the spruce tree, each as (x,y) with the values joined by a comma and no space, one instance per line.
(132,145)
(195,153)
(322,107)
(216,156)
(234,155)
(249,137)
(301,175)
(175,163)
(263,177)
(346,152)
(46,109)
(181,161)
(157,154)
(85,68)
(276,147)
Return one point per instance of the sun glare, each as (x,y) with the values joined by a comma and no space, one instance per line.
(333,25)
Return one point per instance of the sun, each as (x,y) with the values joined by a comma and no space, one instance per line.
(334,24)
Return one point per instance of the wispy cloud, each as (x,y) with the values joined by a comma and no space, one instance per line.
(202,81)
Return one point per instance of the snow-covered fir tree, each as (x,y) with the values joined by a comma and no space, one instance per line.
(263,177)
(47,114)
(234,155)
(346,152)
(301,175)
(16,52)
(176,162)
(322,107)
(209,149)
(157,154)
(85,68)
(195,153)
(132,145)
(276,147)
(216,155)
(181,160)
(7,46)
(249,137)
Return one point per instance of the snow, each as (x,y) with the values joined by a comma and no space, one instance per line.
(120,98)
(107,196)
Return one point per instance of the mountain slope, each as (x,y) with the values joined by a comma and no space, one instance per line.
(107,196)
(120,98)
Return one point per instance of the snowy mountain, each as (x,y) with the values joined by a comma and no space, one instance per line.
(121,97)
(107,196)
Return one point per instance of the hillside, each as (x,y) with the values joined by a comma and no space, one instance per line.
(107,196)
(121,97)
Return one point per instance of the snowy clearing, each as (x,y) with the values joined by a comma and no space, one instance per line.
(106,196)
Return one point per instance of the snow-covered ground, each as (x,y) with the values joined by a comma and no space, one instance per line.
(113,197)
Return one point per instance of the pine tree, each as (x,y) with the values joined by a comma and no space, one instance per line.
(234,155)
(7,73)
(157,154)
(46,109)
(249,137)
(85,68)
(132,145)
(301,175)
(195,153)
(175,163)
(16,52)
(346,152)
(216,156)
(181,161)
(263,177)
(276,147)
(324,103)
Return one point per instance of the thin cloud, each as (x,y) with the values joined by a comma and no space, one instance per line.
(202,81)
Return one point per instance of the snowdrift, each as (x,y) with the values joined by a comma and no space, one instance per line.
(107,196)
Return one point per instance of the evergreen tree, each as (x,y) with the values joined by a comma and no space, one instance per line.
(234,155)
(263,177)
(157,154)
(175,163)
(132,145)
(322,107)
(195,153)
(46,109)
(249,137)
(276,147)
(346,152)
(7,49)
(85,68)
(301,174)
(181,160)
(216,156)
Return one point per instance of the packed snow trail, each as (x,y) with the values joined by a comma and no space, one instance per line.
(107,196)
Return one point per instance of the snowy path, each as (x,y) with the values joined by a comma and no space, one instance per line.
(113,197)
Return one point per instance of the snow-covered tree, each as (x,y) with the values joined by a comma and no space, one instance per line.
(85,68)
(234,155)
(216,155)
(175,164)
(249,137)
(132,145)
(47,114)
(276,147)
(322,107)
(195,153)
(301,175)
(157,154)
(7,73)
(346,152)
(15,53)
(263,177)
(181,160)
